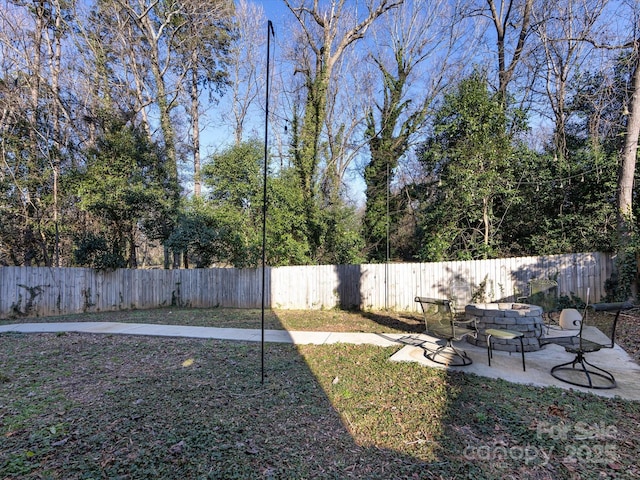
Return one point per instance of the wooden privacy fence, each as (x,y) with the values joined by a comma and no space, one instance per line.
(40,291)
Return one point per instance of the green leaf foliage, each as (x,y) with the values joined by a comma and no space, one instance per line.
(94,251)
(124,184)
(234,179)
(468,158)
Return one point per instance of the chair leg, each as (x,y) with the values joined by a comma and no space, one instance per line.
(588,370)
(490,350)
(449,353)
(524,368)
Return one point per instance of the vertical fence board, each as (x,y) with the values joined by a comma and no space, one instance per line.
(33,291)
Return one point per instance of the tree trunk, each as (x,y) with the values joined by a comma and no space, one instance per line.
(486,220)
(629,153)
(195,126)
(55,156)
(501,16)
(325,46)
(133,258)
(627,255)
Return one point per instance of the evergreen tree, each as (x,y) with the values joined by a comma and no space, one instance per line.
(234,204)
(123,186)
(468,157)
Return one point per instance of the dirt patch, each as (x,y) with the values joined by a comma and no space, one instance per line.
(628,333)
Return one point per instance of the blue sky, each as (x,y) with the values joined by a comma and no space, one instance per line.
(217,136)
(276,11)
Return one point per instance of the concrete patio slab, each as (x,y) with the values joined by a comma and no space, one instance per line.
(239,334)
(508,366)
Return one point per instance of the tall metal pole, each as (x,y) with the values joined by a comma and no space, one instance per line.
(270,33)
(388,252)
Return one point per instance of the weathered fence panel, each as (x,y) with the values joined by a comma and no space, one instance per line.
(31,291)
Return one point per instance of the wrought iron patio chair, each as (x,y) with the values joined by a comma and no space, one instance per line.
(460,295)
(441,323)
(596,332)
(543,292)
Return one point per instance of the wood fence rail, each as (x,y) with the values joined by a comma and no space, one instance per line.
(41,291)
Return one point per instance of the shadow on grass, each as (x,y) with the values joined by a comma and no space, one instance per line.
(89,406)
(326,320)
(403,322)
(80,406)
(196,317)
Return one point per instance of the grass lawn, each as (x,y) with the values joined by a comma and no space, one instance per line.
(79,406)
(309,320)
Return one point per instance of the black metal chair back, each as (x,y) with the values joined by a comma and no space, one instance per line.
(440,322)
(596,332)
(543,292)
(460,294)
(438,317)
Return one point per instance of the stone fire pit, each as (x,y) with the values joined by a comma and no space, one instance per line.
(519,317)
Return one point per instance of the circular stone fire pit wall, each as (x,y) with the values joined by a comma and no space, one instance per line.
(518,317)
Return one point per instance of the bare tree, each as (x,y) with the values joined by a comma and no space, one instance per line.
(203,45)
(119,77)
(563,30)
(154,28)
(325,35)
(348,92)
(157,41)
(34,122)
(245,73)
(512,22)
(630,149)
(416,58)
(627,255)
(579,28)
